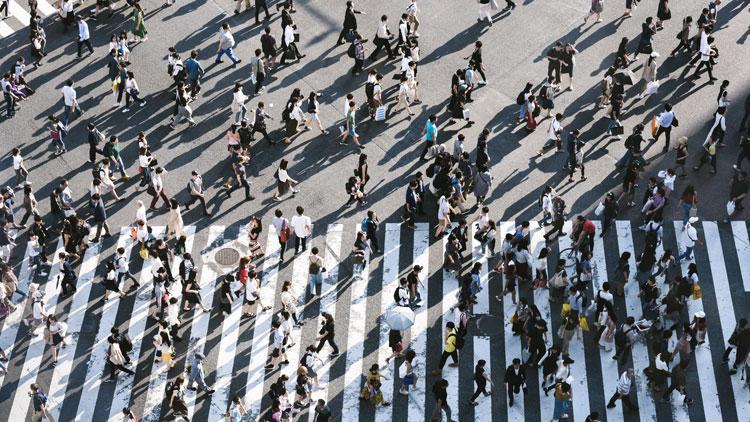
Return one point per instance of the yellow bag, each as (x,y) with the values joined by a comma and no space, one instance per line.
(565,310)
(654,126)
(697,294)
(143,252)
(583,323)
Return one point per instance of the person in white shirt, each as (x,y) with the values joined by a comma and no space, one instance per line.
(197,192)
(83,36)
(706,55)
(19,168)
(666,120)
(302,227)
(403,31)
(71,102)
(131,90)
(123,268)
(689,238)
(623,390)
(382,40)
(226,44)
(554,130)
(157,188)
(289,45)
(238,103)
(411,12)
(67,14)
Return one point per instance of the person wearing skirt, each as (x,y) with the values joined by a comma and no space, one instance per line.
(110,281)
(662,14)
(597,7)
(531,113)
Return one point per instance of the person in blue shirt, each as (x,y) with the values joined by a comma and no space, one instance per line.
(194,72)
(430,135)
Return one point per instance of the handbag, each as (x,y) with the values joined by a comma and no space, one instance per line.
(285,233)
(467,114)
(583,323)
(143,252)
(599,209)
(654,126)
(693,211)
(617,130)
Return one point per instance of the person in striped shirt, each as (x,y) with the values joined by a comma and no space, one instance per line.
(623,390)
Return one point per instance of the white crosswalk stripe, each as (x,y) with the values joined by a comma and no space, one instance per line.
(715,258)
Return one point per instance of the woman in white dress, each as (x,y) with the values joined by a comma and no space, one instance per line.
(608,335)
(175,225)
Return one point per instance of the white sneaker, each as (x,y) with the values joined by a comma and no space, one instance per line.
(125,110)
(115,105)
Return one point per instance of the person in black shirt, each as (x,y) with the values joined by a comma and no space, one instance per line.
(326,334)
(439,390)
(737,192)
(350,21)
(481,377)
(554,61)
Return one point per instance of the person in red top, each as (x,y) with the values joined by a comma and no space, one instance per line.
(587,231)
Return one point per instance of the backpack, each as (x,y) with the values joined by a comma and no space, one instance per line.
(652,236)
(430,172)
(168,389)
(351,51)
(521,99)
(126,344)
(459,341)
(396,296)
(285,114)
(364,224)
(621,338)
(584,301)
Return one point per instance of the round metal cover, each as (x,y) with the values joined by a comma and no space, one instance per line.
(227,256)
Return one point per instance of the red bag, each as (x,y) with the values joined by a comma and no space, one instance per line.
(286,233)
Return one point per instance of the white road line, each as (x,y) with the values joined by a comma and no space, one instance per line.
(328,294)
(160,371)
(703,361)
(742,244)
(726,308)
(230,333)
(646,406)
(5,30)
(97,361)
(483,298)
(35,351)
(419,329)
(482,351)
(512,344)
(65,357)
(208,283)
(608,365)
(575,350)
(21,14)
(541,300)
(261,346)
(12,321)
(391,249)
(136,329)
(46,9)
(450,292)
(355,341)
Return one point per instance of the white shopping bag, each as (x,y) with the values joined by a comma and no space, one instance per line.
(599,209)
(380,114)
(730,207)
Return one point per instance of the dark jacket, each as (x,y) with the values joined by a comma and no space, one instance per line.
(350,18)
(515,379)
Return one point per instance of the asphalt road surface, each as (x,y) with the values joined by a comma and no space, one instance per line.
(236,349)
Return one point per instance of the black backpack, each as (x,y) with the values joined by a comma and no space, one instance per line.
(621,338)
(351,51)
(396,296)
(430,172)
(459,341)
(652,236)
(584,301)
(521,99)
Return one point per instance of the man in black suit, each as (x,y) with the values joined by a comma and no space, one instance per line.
(515,380)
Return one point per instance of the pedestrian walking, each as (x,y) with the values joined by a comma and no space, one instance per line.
(440,391)
(84,38)
(197,375)
(139,25)
(481,378)
(623,390)
(226,44)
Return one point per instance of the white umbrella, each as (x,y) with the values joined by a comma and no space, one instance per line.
(400,318)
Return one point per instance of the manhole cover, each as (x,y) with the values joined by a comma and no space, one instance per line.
(227,256)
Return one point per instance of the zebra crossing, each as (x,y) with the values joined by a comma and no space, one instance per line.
(19,17)
(237,349)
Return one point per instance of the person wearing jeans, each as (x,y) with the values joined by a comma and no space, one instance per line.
(71,102)
(316,271)
(690,237)
(156,188)
(226,43)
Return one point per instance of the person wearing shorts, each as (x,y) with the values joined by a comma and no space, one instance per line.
(279,339)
